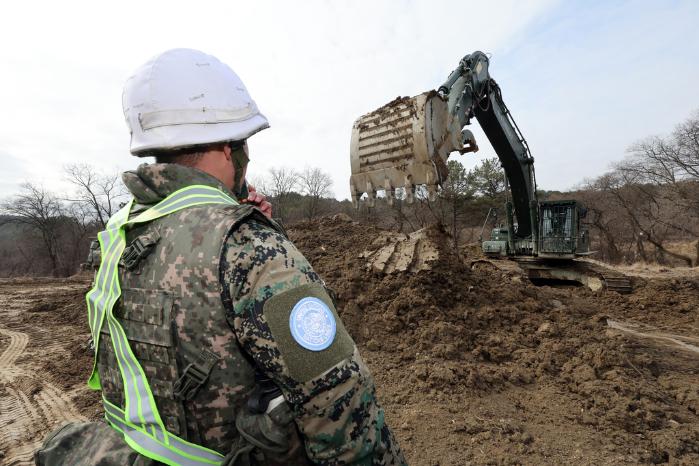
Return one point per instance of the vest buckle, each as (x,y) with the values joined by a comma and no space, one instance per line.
(137,250)
(194,375)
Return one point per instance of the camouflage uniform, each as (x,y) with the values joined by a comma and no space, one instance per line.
(214,286)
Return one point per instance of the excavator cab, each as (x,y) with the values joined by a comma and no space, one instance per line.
(561,234)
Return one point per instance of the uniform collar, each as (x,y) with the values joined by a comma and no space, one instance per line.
(151,183)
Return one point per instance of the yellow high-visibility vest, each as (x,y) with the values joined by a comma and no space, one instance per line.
(139,420)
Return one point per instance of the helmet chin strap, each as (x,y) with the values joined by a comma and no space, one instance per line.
(240,161)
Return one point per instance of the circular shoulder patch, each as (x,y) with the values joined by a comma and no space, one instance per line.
(312,324)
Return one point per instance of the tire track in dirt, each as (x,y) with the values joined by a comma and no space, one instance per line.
(13,417)
(22,414)
(667,338)
(29,404)
(56,406)
(18,343)
(21,457)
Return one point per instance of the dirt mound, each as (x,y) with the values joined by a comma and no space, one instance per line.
(474,364)
(447,324)
(396,252)
(439,339)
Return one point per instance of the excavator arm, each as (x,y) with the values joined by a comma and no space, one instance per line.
(406,143)
(472,92)
(404,146)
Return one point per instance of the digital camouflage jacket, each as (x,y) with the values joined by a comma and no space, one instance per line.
(223,289)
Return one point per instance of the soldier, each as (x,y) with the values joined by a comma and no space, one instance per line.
(93,260)
(216,342)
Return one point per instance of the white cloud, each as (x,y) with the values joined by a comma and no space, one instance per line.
(313,67)
(586,82)
(8,175)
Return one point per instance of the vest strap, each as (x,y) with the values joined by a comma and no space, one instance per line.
(140,421)
(159,444)
(194,375)
(138,249)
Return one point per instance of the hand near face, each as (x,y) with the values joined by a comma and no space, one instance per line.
(258,200)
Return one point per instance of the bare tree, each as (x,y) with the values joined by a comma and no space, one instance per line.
(686,137)
(260,183)
(603,219)
(651,198)
(99,192)
(281,183)
(672,162)
(399,210)
(41,211)
(456,191)
(78,227)
(647,211)
(315,184)
(668,160)
(665,172)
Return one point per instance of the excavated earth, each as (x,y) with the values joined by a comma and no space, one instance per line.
(473,364)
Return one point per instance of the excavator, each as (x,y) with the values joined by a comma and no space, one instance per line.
(401,149)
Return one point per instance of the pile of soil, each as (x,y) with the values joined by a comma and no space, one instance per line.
(475,364)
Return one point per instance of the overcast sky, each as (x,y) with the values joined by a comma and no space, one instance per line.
(583,79)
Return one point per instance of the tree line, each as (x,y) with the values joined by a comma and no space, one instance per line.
(645,208)
(47,233)
(298,195)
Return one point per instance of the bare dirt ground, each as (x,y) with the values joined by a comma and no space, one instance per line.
(43,363)
(473,366)
(481,367)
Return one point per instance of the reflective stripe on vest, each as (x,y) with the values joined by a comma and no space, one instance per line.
(139,421)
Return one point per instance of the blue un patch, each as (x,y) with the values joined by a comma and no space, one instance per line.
(312,324)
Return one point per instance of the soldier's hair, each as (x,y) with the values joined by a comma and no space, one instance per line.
(187,156)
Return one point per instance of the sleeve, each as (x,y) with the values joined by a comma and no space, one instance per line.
(286,322)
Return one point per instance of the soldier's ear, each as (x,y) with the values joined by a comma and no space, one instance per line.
(227,152)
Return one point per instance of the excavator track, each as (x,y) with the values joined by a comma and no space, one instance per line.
(615,281)
(587,274)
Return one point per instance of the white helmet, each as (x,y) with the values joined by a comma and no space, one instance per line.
(185,97)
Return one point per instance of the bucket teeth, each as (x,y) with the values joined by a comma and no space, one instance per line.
(409,189)
(370,194)
(410,194)
(431,187)
(405,143)
(390,192)
(432,192)
(354,193)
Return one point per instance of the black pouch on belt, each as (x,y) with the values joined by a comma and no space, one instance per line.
(268,433)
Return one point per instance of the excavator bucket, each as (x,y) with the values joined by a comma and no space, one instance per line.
(405,144)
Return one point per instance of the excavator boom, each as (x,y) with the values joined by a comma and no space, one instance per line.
(407,142)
